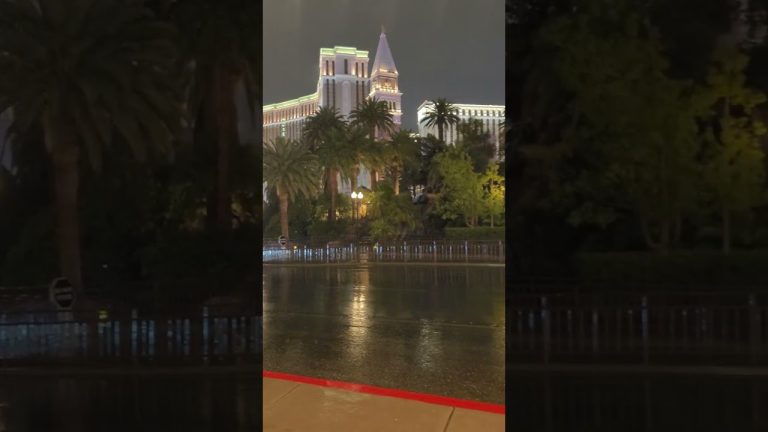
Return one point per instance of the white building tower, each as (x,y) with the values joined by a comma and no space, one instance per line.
(384,84)
(343,81)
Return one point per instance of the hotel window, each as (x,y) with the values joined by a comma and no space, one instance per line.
(326,68)
(333,67)
(346,67)
(356,63)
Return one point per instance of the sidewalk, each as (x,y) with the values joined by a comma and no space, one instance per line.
(294,404)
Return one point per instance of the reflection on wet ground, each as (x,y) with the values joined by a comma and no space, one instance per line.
(137,402)
(636,402)
(424,328)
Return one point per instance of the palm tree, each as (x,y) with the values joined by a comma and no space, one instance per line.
(441,114)
(401,149)
(222,55)
(362,147)
(323,120)
(324,132)
(373,114)
(85,71)
(291,170)
(337,158)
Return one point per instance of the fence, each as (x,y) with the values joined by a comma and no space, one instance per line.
(407,251)
(207,335)
(713,330)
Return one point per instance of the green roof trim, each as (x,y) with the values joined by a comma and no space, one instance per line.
(288,103)
(344,50)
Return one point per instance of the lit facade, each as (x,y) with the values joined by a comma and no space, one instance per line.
(491,116)
(344,82)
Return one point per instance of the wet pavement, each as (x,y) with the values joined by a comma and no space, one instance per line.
(422,328)
(188,402)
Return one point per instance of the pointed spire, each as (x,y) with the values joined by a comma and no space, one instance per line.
(383,58)
(382,29)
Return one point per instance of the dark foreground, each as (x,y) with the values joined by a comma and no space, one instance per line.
(626,402)
(423,328)
(131,402)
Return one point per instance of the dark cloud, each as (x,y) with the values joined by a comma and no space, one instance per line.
(442,48)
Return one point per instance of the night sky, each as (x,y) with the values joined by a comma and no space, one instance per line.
(442,48)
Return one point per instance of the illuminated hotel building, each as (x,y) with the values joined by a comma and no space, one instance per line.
(344,82)
(490,116)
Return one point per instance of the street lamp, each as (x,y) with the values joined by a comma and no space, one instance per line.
(357,198)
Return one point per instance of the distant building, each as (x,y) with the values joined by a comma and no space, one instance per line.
(344,82)
(490,116)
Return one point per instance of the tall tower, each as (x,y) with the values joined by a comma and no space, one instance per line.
(343,81)
(384,85)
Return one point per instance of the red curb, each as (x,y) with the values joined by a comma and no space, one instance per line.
(381,391)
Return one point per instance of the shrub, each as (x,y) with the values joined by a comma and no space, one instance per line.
(475,233)
(694,270)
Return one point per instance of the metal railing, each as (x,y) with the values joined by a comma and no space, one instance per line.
(207,335)
(726,330)
(406,251)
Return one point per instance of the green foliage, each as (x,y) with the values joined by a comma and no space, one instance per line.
(393,216)
(734,170)
(632,129)
(441,114)
(337,153)
(320,123)
(476,143)
(290,169)
(493,194)
(461,196)
(475,233)
(400,151)
(190,256)
(118,82)
(325,231)
(679,270)
(372,114)
(322,203)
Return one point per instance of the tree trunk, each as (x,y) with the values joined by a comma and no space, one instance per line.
(726,230)
(374,174)
(333,191)
(396,180)
(374,180)
(226,131)
(353,179)
(66,176)
(282,196)
(440,132)
(203,145)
